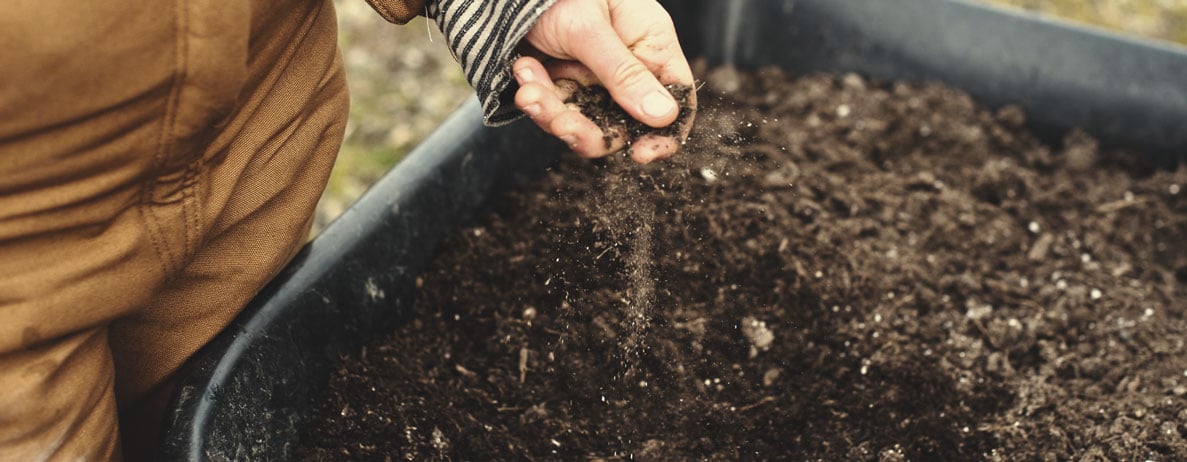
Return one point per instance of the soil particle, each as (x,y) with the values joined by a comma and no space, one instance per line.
(917,278)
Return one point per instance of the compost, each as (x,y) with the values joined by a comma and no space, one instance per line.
(596,102)
(831,269)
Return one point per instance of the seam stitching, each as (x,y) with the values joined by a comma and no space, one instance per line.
(153,224)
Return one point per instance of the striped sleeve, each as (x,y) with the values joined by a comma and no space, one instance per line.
(483,36)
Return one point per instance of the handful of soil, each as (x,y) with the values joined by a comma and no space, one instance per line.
(597,104)
(842,270)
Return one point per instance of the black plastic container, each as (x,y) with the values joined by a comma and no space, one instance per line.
(248,391)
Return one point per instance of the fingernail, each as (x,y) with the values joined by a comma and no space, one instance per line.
(532,110)
(523,75)
(570,140)
(658,104)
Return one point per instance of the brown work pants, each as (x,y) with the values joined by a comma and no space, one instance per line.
(159,162)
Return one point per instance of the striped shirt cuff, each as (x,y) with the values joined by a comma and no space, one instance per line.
(483,36)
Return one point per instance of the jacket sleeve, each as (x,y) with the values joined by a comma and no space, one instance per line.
(483,36)
(398,11)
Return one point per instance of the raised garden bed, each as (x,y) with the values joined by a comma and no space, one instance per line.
(858,205)
(831,270)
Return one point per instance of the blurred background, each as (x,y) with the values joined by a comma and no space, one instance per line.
(404,82)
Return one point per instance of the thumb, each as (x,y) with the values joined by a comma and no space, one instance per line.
(632,84)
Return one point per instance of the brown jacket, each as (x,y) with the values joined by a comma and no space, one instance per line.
(157,166)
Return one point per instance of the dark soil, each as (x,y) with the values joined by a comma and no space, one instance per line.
(597,104)
(832,269)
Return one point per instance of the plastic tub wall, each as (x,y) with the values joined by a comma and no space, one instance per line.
(244,396)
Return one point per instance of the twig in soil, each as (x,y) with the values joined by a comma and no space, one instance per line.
(1121,204)
(523,364)
(466,372)
(768,399)
(984,333)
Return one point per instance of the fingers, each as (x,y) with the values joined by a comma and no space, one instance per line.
(571,70)
(651,148)
(582,136)
(537,96)
(648,31)
(628,46)
(651,36)
(630,82)
(544,103)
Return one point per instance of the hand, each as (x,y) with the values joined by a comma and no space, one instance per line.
(628,46)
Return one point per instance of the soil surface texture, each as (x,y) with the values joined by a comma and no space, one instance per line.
(831,269)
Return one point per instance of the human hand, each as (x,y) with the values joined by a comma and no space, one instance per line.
(628,46)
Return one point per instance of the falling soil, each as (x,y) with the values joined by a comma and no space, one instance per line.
(841,270)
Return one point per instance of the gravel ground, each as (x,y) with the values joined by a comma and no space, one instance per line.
(404,82)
